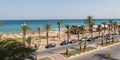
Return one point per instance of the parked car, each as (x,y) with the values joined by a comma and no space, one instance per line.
(51,45)
(82,40)
(73,41)
(97,37)
(108,35)
(116,33)
(91,39)
(64,43)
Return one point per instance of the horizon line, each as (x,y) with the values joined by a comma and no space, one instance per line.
(61,19)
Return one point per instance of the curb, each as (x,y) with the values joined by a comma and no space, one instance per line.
(94,50)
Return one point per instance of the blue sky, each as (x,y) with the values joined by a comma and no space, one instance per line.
(59,9)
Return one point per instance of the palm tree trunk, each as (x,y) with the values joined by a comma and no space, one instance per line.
(89,31)
(47,37)
(68,41)
(103,38)
(85,46)
(68,36)
(39,37)
(104,28)
(36,55)
(78,37)
(109,31)
(66,49)
(80,45)
(106,41)
(24,44)
(29,44)
(114,30)
(24,38)
(92,33)
(101,41)
(79,42)
(99,33)
(59,32)
(82,34)
(112,39)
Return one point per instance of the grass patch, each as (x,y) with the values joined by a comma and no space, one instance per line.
(77,51)
(21,39)
(16,39)
(34,38)
(109,43)
(37,37)
(89,48)
(45,58)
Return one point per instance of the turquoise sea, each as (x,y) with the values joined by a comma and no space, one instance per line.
(15,25)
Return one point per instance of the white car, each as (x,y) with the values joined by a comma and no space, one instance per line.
(82,39)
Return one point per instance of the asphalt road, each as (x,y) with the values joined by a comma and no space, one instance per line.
(101,54)
(60,49)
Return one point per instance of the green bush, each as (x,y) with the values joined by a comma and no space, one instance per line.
(45,58)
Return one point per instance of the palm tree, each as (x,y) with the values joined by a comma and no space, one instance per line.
(25,28)
(39,32)
(106,38)
(109,28)
(68,31)
(104,28)
(80,42)
(111,24)
(78,34)
(119,29)
(11,49)
(68,36)
(81,30)
(74,29)
(47,29)
(85,43)
(115,26)
(90,22)
(99,29)
(91,30)
(103,38)
(59,22)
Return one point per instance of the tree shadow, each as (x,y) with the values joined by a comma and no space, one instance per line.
(104,56)
(72,47)
(52,52)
